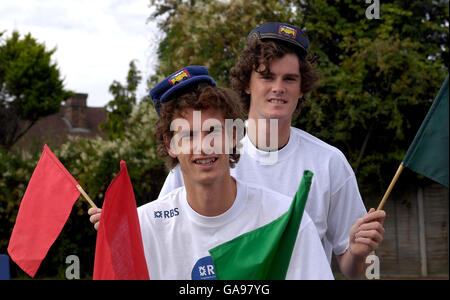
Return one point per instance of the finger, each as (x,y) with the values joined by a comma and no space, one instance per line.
(358,223)
(368,242)
(383,216)
(369,234)
(371,216)
(95,218)
(371,226)
(94,210)
(96,225)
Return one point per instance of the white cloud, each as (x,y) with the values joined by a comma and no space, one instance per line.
(95,40)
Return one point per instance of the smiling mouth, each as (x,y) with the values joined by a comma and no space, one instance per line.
(206,161)
(277,101)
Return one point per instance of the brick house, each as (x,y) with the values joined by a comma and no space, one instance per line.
(75,118)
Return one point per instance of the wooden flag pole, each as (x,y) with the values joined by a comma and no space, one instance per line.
(88,199)
(388,192)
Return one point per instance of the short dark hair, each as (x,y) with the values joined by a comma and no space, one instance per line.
(199,97)
(259,52)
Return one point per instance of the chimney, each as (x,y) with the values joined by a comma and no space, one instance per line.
(76,110)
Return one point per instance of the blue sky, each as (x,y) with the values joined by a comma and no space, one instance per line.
(95,39)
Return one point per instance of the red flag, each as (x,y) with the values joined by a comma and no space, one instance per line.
(119,252)
(44,210)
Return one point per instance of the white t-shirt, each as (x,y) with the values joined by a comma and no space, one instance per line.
(334,202)
(177,239)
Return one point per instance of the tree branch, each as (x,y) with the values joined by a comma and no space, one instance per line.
(15,137)
(363,147)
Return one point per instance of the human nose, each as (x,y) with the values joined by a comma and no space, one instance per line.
(197,143)
(202,144)
(278,87)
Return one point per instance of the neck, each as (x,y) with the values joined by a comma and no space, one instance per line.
(267,135)
(211,199)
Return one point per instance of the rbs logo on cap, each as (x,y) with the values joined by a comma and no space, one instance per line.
(179,77)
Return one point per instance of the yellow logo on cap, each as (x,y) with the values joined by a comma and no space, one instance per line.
(179,77)
(287,31)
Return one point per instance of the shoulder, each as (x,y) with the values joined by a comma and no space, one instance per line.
(275,204)
(310,140)
(266,200)
(329,154)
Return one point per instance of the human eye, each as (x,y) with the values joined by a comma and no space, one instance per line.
(187,134)
(266,76)
(292,78)
(216,128)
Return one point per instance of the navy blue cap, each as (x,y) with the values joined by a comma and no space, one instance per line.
(281,31)
(177,81)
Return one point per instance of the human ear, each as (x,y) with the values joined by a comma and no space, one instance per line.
(167,144)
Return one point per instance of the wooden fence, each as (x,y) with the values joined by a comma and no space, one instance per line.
(416,242)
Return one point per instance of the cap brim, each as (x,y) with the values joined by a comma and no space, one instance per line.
(270,36)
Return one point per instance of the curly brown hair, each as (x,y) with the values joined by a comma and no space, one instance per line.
(198,97)
(259,52)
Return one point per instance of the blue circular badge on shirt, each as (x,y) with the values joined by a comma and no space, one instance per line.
(204,269)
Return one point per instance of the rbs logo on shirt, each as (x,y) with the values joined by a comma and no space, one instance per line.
(166,214)
(203,269)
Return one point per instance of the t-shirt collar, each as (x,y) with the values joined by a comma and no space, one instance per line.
(222,219)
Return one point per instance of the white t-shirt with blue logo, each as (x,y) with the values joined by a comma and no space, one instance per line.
(177,239)
(334,202)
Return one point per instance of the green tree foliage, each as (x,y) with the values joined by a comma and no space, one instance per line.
(210,33)
(121,106)
(30,86)
(379,76)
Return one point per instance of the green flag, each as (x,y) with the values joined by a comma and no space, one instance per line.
(428,153)
(265,252)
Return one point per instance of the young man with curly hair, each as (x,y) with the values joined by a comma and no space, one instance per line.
(272,75)
(212,208)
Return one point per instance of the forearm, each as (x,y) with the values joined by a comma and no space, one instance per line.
(365,236)
(352,267)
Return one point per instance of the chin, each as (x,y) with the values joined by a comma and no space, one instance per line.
(210,177)
(206,180)
(278,115)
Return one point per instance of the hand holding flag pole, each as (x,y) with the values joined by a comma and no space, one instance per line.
(428,153)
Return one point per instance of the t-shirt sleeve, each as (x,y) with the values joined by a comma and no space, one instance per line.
(345,208)
(173,181)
